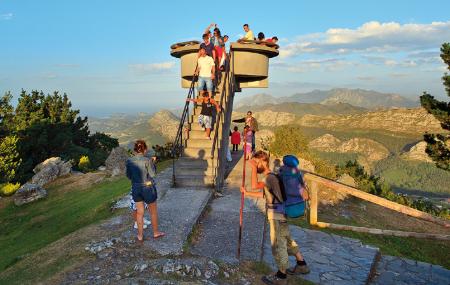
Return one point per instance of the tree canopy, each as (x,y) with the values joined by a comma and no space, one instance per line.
(42,126)
(438,145)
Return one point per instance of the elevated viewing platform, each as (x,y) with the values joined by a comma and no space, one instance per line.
(250,62)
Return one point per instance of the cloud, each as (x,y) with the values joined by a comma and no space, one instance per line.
(67,65)
(372,37)
(328,64)
(149,68)
(48,75)
(6,17)
(366,78)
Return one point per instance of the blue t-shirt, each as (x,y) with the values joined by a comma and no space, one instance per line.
(208,47)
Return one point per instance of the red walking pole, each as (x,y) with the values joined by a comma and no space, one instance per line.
(241,211)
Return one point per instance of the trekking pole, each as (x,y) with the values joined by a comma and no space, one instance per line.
(263,234)
(241,211)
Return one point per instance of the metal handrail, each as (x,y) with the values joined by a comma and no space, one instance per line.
(177,146)
(219,115)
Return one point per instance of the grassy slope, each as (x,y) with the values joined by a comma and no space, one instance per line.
(30,227)
(33,226)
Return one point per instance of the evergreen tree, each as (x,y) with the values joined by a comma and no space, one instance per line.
(44,126)
(9,159)
(438,145)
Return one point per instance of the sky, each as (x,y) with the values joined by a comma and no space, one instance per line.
(113,56)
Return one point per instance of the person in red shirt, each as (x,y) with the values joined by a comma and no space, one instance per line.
(272,40)
(236,138)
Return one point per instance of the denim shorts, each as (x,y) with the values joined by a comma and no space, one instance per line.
(205,81)
(144,193)
(133,204)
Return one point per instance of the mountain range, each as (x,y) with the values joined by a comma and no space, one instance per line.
(357,97)
(157,128)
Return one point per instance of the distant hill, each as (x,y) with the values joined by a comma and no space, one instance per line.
(301,109)
(357,97)
(256,100)
(157,128)
(407,121)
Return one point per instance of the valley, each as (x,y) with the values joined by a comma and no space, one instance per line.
(387,141)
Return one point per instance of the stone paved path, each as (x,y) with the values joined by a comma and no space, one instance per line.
(178,211)
(220,229)
(401,271)
(332,259)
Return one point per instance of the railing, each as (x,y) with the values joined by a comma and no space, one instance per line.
(178,144)
(219,115)
(315,180)
(221,139)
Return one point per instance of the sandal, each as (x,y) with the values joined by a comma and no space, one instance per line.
(159,235)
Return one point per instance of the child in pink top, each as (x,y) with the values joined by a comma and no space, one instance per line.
(247,136)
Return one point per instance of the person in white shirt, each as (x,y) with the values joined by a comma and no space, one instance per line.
(205,71)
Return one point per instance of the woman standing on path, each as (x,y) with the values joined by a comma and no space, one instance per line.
(141,172)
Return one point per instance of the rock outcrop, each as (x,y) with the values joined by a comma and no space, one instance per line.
(408,121)
(165,123)
(327,142)
(269,118)
(371,149)
(367,148)
(49,170)
(28,193)
(417,152)
(116,161)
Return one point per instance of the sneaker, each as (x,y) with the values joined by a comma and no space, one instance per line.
(147,222)
(274,280)
(298,269)
(135,226)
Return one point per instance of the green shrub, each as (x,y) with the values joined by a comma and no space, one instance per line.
(9,189)
(290,139)
(373,185)
(84,164)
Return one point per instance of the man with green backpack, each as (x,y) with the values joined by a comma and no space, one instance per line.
(282,201)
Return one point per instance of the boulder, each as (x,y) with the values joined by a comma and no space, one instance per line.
(49,170)
(28,193)
(116,161)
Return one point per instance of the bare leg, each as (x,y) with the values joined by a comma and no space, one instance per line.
(134,215)
(208,132)
(299,256)
(153,210)
(140,219)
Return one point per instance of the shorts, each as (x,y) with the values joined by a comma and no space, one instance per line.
(205,82)
(205,121)
(144,193)
(133,204)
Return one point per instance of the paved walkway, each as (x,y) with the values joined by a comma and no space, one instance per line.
(333,259)
(178,209)
(402,271)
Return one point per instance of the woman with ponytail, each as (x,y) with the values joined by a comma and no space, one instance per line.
(141,171)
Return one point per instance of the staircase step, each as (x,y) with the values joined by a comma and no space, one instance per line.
(199,134)
(193,181)
(200,143)
(196,127)
(196,152)
(194,171)
(195,162)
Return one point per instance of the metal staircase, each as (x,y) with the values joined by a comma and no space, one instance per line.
(201,161)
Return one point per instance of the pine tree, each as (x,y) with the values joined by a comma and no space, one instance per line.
(438,145)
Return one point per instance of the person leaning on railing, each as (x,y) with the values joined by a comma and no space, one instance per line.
(280,237)
(252,123)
